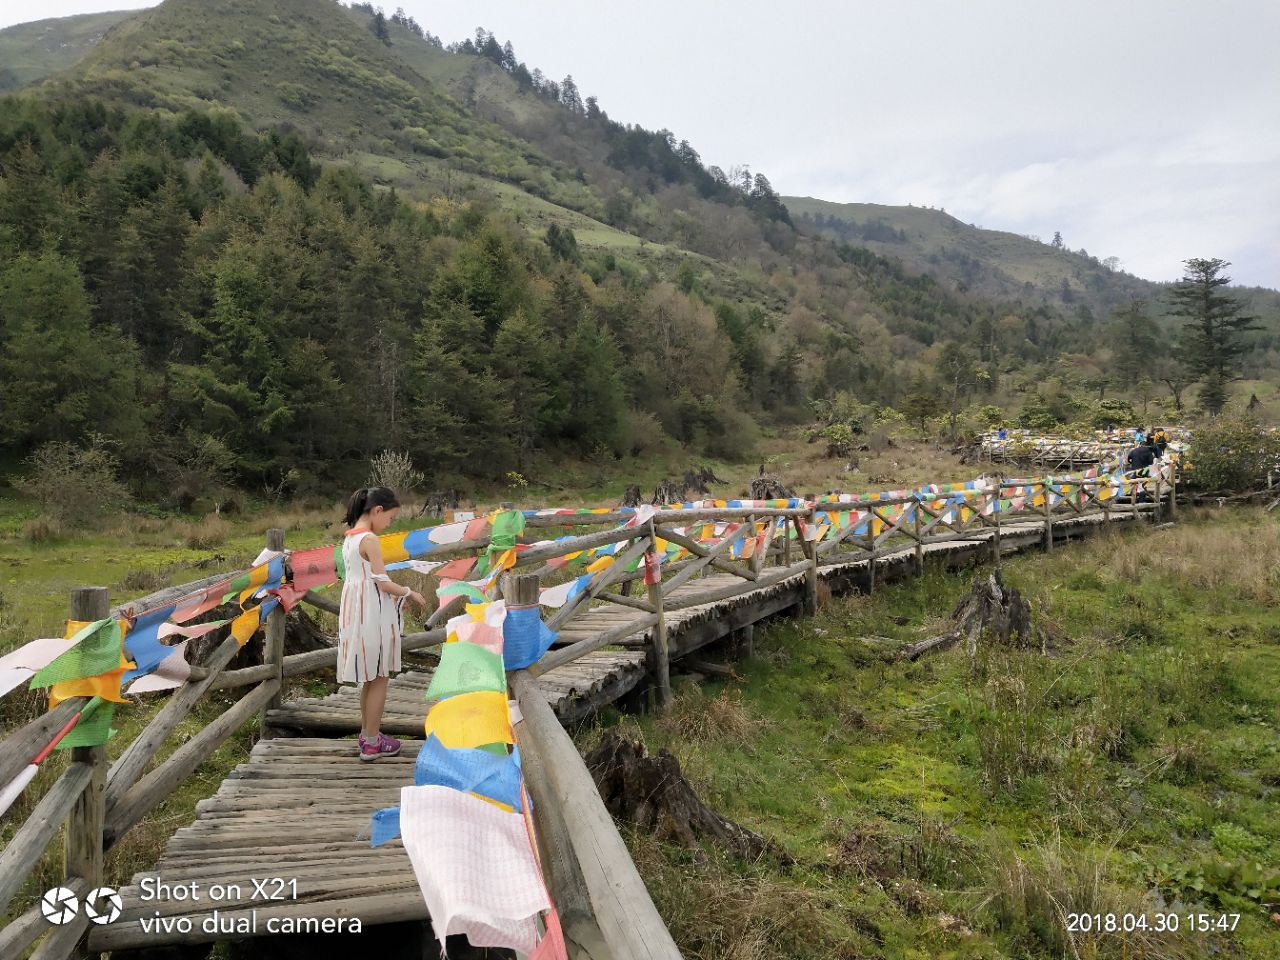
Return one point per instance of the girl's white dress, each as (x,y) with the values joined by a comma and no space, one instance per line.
(370,622)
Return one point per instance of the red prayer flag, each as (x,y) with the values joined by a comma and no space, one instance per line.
(313,568)
(551,946)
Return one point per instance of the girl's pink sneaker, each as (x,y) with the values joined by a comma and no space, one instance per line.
(380,746)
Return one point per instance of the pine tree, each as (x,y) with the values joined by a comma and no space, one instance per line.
(59,377)
(1136,339)
(1212,343)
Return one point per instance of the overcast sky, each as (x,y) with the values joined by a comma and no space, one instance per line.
(1143,129)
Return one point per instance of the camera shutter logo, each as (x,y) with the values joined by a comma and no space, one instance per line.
(59,905)
(103,905)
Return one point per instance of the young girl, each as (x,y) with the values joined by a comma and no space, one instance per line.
(371,618)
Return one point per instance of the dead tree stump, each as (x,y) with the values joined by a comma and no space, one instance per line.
(769,487)
(668,491)
(303,634)
(992,610)
(653,794)
(631,497)
(693,483)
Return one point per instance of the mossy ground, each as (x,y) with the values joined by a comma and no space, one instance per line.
(950,809)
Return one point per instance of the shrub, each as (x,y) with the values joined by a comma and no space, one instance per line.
(394,470)
(208,533)
(75,486)
(41,530)
(1231,454)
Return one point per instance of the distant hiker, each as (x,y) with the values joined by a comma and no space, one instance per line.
(1161,441)
(371,615)
(1140,459)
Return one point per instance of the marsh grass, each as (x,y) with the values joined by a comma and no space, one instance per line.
(939,809)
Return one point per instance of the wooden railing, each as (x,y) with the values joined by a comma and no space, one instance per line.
(603,895)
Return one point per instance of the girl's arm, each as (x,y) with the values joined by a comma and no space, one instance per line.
(371,550)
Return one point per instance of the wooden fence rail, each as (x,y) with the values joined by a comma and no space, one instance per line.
(602,897)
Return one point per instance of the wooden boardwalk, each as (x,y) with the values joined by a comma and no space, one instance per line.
(300,807)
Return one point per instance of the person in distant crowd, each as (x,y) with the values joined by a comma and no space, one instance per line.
(371,615)
(1140,459)
(1161,441)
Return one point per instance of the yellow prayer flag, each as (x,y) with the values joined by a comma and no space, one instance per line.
(471,719)
(393,550)
(243,626)
(599,564)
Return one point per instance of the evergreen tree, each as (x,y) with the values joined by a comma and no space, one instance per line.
(378,26)
(569,95)
(59,378)
(1136,349)
(1212,343)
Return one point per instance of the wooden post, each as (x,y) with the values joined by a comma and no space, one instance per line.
(1158,506)
(995,537)
(1173,490)
(1048,516)
(810,550)
(744,642)
(786,542)
(1133,498)
(82,854)
(661,656)
(273,644)
(919,542)
(871,552)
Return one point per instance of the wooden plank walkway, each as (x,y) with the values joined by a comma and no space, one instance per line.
(300,808)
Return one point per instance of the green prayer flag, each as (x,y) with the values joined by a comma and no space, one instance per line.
(466,668)
(96,651)
(507,525)
(500,749)
(94,726)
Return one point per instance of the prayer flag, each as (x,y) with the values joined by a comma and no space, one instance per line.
(475,867)
(466,668)
(494,776)
(525,638)
(471,720)
(96,649)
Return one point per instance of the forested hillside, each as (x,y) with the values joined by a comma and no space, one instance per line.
(262,240)
(29,52)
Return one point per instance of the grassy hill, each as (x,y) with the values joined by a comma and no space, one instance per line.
(29,52)
(990,262)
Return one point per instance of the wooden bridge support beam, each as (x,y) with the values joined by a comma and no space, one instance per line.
(659,654)
(1048,516)
(82,853)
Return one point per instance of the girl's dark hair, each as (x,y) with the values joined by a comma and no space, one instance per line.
(366,498)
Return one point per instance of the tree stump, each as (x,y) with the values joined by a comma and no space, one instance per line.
(668,491)
(693,482)
(990,609)
(769,487)
(303,634)
(631,497)
(653,794)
